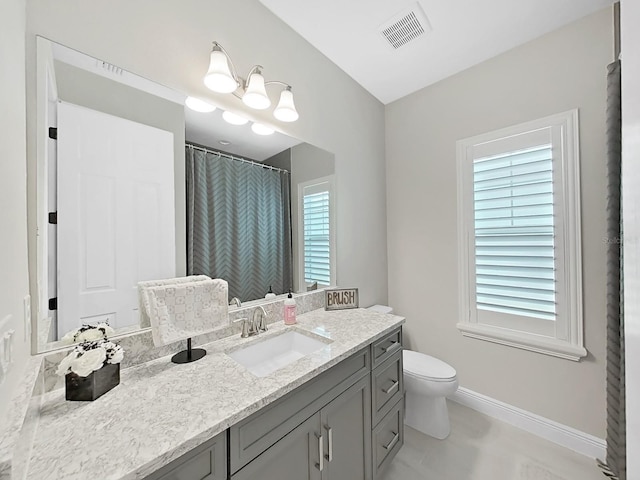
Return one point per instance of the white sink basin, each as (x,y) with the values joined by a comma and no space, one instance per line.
(267,355)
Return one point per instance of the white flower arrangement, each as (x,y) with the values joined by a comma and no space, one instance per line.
(89,356)
(88,333)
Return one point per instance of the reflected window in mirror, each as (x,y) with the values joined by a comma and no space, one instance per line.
(317,244)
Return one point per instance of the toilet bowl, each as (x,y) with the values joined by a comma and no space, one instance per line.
(428,382)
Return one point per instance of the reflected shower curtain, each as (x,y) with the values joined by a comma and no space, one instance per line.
(238,224)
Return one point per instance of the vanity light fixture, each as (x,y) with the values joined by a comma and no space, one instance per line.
(233,118)
(199,105)
(223,78)
(260,129)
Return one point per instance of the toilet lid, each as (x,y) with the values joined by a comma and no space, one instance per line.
(425,366)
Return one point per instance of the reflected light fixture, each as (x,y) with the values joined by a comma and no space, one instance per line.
(260,129)
(199,105)
(223,78)
(233,118)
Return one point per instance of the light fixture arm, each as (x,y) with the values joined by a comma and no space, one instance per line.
(277,82)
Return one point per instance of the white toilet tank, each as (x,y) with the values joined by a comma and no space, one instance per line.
(381,308)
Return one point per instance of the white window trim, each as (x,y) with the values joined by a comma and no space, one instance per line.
(568,342)
(330,179)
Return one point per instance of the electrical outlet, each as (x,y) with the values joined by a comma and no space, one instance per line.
(3,366)
(27,317)
(8,347)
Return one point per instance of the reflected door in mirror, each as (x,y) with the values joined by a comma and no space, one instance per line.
(116,223)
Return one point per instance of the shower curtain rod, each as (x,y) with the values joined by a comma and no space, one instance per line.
(239,159)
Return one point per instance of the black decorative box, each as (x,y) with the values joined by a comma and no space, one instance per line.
(93,386)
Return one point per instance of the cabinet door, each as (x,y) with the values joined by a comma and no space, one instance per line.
(206,462)
(346,431)
(296,456)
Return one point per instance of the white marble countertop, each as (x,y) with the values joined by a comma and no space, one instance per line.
(162,410)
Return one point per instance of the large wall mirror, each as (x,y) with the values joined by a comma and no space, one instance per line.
(133,186)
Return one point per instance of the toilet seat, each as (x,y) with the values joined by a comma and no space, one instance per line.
(426,367)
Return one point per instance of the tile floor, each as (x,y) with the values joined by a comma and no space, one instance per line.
(483,448)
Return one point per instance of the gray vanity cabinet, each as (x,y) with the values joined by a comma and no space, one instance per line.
(333,444)
(346,423)
(296,456)
(205,462)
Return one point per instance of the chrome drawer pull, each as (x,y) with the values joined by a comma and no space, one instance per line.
(330,435)
(395,385)
(393,441)
(320,466)
(391,348)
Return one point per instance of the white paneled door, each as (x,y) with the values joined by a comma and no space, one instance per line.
(116,222)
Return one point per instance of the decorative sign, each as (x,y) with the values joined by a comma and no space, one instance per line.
(341,298)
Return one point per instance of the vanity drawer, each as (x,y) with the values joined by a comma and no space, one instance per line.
(206,462)
(386,346)
(387,384)
(388,438)
(252,436)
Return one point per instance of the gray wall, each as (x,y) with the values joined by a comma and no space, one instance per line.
(84,88)
(557,72)
(14,276)
(170,42)
(280,160)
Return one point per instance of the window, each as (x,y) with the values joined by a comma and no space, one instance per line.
(317,232)
(519,237)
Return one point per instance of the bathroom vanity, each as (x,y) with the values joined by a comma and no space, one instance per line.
(334,413)
(321,430)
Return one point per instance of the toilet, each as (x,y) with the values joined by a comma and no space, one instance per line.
(428,382)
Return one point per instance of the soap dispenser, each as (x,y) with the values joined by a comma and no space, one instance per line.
(290,310)
(270,293)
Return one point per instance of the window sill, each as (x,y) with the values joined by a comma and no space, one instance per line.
(525,341)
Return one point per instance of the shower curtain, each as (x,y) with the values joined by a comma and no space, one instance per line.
(238,224)
(616,417)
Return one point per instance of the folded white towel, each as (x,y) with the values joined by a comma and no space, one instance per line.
(144,306)
(184,310)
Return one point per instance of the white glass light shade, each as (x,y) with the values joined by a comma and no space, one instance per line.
(286,109)
(219,77)
(199,105)
(256,95)
(234,119)
(260,129)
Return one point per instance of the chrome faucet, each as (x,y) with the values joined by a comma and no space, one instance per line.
(261,323)
(253,326)
(235,301)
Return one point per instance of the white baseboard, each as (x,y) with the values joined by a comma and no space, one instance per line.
(568,437)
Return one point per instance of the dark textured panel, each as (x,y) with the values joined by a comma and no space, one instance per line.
(616,417)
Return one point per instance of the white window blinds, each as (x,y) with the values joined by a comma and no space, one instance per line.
(317,238)
(514,233)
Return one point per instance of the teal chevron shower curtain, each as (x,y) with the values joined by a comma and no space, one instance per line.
(238,223)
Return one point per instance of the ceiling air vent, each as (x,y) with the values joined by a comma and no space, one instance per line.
(406,26)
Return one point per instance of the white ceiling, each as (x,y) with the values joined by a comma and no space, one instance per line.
(210,128)
(465,33)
